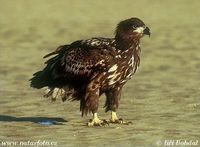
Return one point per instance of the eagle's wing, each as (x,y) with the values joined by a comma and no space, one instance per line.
(82,57)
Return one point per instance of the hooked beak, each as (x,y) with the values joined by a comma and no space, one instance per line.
(147,31)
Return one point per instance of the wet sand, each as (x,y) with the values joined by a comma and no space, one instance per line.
(162,99)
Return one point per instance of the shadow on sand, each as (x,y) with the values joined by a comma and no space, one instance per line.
(39,120)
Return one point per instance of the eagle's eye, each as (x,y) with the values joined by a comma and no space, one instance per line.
(134,27)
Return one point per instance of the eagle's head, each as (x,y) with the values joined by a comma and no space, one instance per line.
(131,29)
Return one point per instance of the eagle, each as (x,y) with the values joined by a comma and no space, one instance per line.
(86,69)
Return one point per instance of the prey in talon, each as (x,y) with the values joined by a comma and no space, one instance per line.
(86,69)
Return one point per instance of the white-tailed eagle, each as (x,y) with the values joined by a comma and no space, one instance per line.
(86,69)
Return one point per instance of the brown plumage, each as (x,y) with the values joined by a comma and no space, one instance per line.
(86,69)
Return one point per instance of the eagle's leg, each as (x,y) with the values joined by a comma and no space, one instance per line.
(91,105)
(95,121)
(91,101)
(112,103)
(116,120)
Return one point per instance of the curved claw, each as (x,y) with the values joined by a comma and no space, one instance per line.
(100,123)
(106,122)
(120,121)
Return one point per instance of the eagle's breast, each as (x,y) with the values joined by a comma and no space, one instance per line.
(123,69)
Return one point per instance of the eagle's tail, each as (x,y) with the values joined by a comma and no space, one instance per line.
(40,79)
(47,76)
(51,78)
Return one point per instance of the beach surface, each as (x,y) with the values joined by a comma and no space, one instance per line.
(161,100)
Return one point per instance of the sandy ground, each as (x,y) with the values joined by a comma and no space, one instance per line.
(162,100)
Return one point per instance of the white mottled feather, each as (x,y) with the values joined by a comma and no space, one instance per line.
(113,68)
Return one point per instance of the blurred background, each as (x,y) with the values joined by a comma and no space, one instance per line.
(162,99)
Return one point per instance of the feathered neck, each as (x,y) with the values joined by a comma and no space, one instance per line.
(130,44)
(125,42)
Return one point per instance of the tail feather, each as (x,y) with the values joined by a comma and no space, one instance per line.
(44,77)
(47,76)
(52,77)
(40,79)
